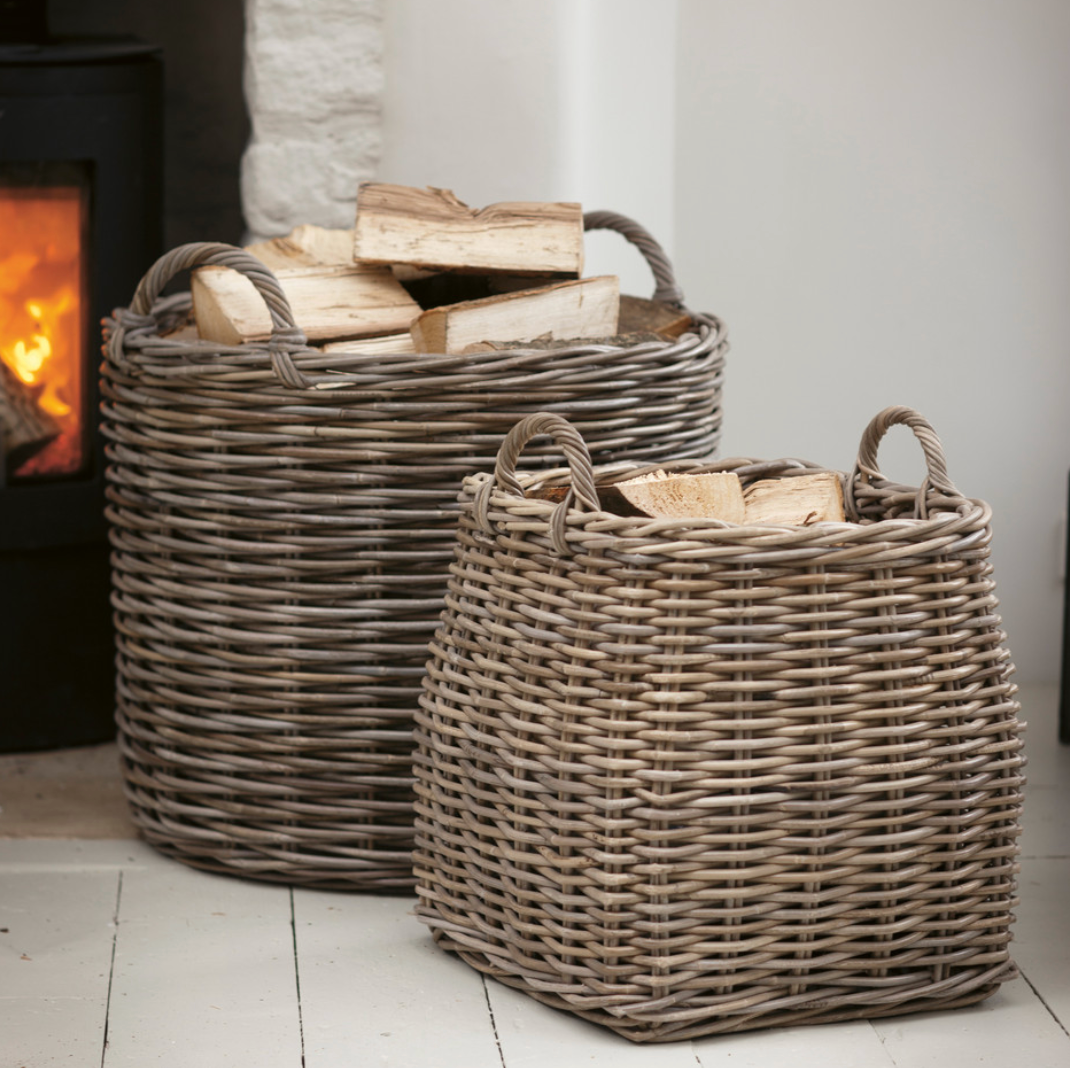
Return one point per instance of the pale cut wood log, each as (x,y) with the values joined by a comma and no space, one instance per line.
(305,246)
(280,253)
(328,303)
(796,501)
(374,346)
(580,309)
(327,246)
(25,427)
(715,495)
(431,228)
(639,316)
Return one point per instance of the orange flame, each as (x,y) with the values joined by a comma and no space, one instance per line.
(41,324)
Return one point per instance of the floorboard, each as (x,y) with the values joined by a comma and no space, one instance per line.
(376,991)
(1012,1029)
(56,933)
(1041,947)
(844,1045)
(204,973)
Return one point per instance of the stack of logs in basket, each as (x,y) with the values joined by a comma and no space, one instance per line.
(422,272)
(797,500)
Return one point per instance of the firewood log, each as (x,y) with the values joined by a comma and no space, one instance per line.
(398,224)
(639,316)
(714,495)
(328,303)
(796,500)
(306,246)
(580,309)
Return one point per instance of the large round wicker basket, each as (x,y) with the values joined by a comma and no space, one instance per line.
(282,524)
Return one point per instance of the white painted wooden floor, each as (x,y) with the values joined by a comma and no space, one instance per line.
(112,956)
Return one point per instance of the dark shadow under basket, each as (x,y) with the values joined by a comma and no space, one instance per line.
(681,777)
(282,524)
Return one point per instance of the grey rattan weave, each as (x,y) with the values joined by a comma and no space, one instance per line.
(685,777)
(282,524)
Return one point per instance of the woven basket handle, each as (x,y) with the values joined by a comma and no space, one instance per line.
(581,488)
(285,333)
(866,470)
(667,290)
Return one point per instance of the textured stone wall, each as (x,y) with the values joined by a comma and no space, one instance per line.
(314,88)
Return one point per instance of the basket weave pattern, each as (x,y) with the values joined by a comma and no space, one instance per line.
(681,777)
(282,525)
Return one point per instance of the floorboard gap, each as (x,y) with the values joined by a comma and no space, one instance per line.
(883,1040)
(111,967)
(297,978)
(1040,998)
(493,1022)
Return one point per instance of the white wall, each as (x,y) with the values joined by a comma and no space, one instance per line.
(876,197)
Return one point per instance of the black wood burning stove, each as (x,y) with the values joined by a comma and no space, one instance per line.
(80,221)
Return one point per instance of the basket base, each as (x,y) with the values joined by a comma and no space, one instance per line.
(321,832)
(391,875)
(965,986)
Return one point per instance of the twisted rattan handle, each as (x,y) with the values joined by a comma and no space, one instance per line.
(285,333)
(936,481)
(667,290)
(581,488)
(572,445)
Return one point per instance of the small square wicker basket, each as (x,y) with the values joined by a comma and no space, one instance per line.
(681,777)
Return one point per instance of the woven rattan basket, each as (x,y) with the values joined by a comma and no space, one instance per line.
(282,525)
(682,777)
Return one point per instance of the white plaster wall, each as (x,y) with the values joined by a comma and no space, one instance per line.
(313,86)
(874,196)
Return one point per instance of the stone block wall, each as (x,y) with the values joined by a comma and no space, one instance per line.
(314,90)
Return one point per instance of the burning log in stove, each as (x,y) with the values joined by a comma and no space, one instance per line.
(25,427)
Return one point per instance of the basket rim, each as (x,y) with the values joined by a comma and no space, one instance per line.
(285,353)
(145,351)
(963,515)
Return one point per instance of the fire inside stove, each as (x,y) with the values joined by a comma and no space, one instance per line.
(42,331)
